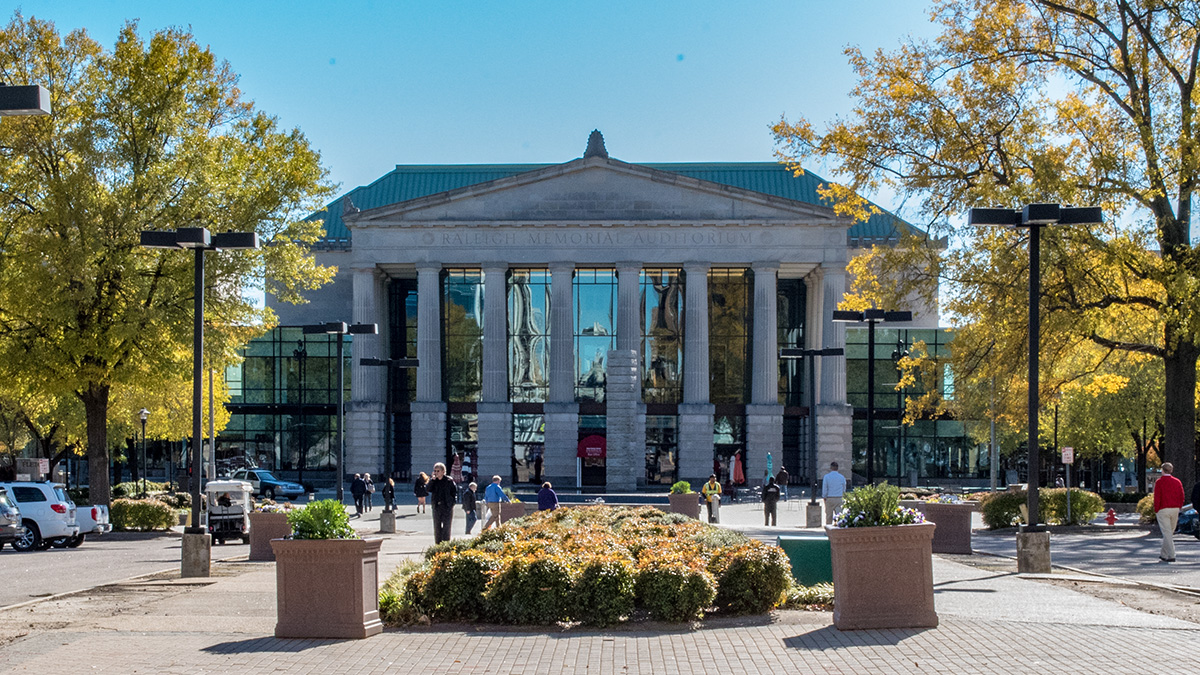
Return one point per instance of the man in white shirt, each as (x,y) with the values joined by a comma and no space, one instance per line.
(833,486)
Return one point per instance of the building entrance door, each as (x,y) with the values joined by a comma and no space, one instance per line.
(592,458)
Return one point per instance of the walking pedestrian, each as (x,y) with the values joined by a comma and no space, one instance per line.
(370,490)
(421,490)
(711,492)
(770,500)
(443,493)
(781,479)
(470,506)
(389,495)
(357,489)
(547,499)
(1168,499)
(493,496)
(833,487)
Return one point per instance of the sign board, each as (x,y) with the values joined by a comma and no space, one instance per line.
(35,468)
(1068,455)
(592,447)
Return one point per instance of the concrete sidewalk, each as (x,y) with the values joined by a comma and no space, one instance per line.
(995,623)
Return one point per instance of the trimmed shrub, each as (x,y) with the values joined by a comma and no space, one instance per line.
(1145,509)
(141,515)
(325,519)
(818,596)
(681,488)
(671,588)
(531,590)
(454,586)
(604,593)
(397,603)
(1084,505)
(1123,497)
(1001,509)
(134,487)
(751,579)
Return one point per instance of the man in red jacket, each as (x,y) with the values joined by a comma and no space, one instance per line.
(1168,499)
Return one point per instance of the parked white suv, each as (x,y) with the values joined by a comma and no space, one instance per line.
(46,512)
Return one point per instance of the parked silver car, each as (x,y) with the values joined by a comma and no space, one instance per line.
(11,529)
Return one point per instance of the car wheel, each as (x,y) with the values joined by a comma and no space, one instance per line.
(75,541)
(269,493)
(30,540)
(246,539)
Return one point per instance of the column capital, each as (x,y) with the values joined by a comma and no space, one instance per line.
(765,266)
(493,265)
(628,264)
(428,266)
(561,266)
(689,265)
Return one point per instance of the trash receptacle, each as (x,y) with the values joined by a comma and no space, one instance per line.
(811,560)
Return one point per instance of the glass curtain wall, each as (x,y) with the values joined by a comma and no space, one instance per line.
(595,295)
(730,324)
(528,335)
(662,449)
(662,335)
(790,307)
(529,444)
(462,334)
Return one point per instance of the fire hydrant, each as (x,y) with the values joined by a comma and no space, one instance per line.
(1111,518)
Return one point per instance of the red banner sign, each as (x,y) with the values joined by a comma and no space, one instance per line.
(593,447)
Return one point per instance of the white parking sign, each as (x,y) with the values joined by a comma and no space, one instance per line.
(1068,455)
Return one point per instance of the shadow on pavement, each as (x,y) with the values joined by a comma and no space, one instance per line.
(269,644)
(829,637)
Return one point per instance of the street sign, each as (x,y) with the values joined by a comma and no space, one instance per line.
(1068,455)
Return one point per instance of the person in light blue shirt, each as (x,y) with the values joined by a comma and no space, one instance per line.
(493,496)
(833,486)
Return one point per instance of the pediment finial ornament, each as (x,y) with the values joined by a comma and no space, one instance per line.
(595,146)
(348,207)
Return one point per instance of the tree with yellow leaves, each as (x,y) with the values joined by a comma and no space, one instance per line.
(1021,101)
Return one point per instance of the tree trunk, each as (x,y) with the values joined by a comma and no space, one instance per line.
(95,408)
(1179,435)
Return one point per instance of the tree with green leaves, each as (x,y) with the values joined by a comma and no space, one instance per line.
(1020,101)
(152,134)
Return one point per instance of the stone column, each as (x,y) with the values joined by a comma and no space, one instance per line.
(764,415)
(695,413)
(365,428)
(561,411)
(626,447)
(495,412)
(629,306)
(835,418)
(428,412)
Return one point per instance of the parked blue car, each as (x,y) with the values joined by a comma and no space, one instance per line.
(265,484)
(1189,521)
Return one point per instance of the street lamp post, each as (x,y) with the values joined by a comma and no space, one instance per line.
(1035,217)
(871,317)
(198,239)
(811,355)
(341,330)
(143,414)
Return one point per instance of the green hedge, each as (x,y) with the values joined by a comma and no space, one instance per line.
(1003,509)
(141,515)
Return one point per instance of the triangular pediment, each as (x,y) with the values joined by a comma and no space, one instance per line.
(593,189)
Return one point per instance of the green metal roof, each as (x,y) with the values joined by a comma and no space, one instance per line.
(412,181)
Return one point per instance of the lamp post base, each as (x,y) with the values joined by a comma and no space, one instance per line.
(813,515)
(197,555)
(1033,552)
(387,522)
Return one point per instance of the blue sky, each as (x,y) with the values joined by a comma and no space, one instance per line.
(375,84)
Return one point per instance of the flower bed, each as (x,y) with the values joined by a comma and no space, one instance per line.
(598,565)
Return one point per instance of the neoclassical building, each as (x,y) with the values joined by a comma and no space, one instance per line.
(593,323)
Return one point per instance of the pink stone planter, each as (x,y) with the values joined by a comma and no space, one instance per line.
(327,588)
(510,510)
(263,528)
(882,576)
(953,526)
(687,504)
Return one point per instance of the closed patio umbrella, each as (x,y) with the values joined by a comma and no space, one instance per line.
(739,476)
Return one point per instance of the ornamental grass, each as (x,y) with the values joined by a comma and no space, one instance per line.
(597,565)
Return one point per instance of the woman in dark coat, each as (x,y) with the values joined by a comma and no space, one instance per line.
(421,490)
(389,495)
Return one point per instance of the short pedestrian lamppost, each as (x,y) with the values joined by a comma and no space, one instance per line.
(24,100)
(143,415)
(870,317)
(341,330)
(811,366)
(196,557)
(1034,217)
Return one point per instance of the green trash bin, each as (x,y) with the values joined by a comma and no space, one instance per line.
(811,561)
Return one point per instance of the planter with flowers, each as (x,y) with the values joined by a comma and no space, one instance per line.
(882,562)
(514,508)
(683,500)
(326,577)
(268,521)
(953,517)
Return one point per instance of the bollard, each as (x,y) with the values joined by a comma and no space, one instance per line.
(387,522)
